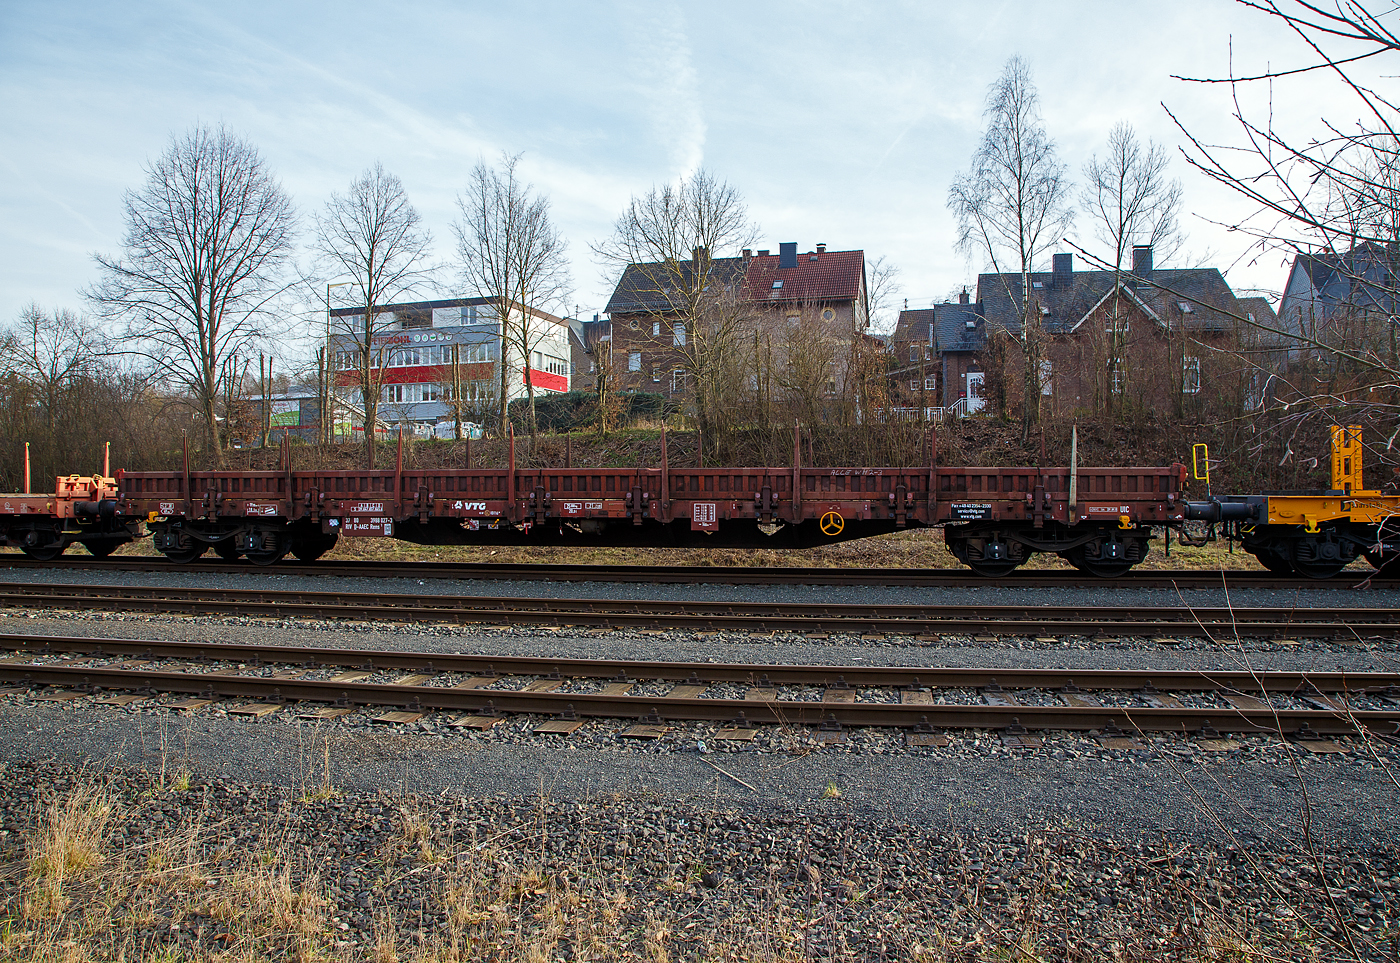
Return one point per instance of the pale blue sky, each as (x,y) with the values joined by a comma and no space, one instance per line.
(841,123)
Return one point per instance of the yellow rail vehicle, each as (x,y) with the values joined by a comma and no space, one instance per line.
(1314,533)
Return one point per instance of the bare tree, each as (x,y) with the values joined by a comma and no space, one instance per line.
(50,352)
(372,236)
(510,252)
(674,241)
(207,241)
(1329,196)
(1012,204)
(1129,199)
(605,383)
(882,293)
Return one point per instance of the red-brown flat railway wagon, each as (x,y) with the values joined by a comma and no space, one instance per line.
(83,509)
(1100,519)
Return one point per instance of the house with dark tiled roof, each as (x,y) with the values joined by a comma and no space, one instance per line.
(937,356)
(819,295)
(650,312)
(1346,300)
(1155,339)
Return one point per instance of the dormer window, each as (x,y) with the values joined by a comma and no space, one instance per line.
(1186,307)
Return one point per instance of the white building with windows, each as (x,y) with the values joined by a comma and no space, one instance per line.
(426,353)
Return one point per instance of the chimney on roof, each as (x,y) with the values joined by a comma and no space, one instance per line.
(821,248)
(787,254)
(764,253)
(700,257)
(1063,265)
(748,253)
(1142,261)
(962,298)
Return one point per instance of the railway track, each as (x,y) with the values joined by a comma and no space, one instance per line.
(712,574)
(331,681)
(930,621)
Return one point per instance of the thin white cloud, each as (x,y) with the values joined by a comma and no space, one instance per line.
(667,80)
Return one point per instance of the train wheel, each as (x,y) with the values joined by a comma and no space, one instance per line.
(1320,557)
(1112,568)
(996,569)
(46,554)
(267,558)
(1319,570)
(1096,566)
(1274,562)
(185,556)
(1387,565)
(310,549)
(226,550)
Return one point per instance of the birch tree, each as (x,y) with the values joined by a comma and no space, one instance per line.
(1129,200)
(1012,204)
(509,251)
(373,236)
(205,252)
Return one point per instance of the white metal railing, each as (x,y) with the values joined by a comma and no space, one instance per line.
(961,408)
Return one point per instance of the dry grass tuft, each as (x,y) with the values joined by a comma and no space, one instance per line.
(68,846)
(110,875)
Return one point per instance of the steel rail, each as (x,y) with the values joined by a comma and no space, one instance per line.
(734,616)
(1186,720)
(636,670)
(706,574)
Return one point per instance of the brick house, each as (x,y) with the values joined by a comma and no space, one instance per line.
(649,313)
(1159,339)
(815,301)
(937,356)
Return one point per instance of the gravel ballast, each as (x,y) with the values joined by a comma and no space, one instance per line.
(864,849)
(389,874)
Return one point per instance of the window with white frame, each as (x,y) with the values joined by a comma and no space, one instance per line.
(930,384)
(914,353)
(394,394)
(1046,384)
(656,373)
(913,384)
(678,379)
(634,361)
(678,334)
(656,329)
(1190,375)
